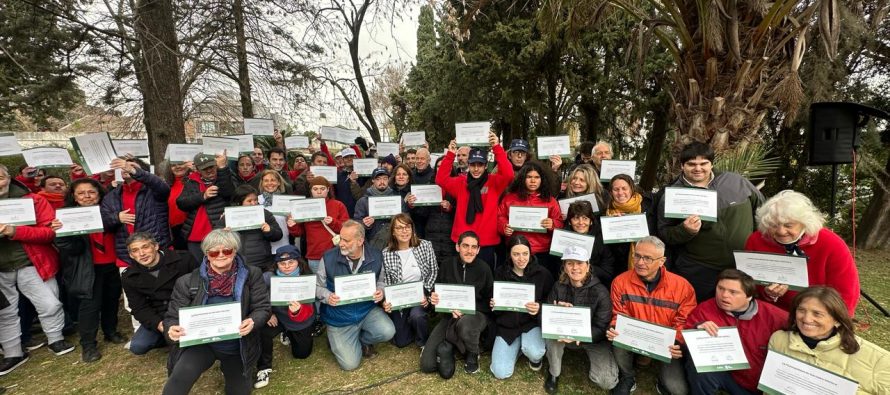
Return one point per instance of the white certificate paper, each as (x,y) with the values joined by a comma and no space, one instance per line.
(568,323)
(306,210)
(283,204)
(209,323)
(354,288)
(554,145)
(427,195)
(716,353)
(9,145)
(132,147)
(473,134)
(683,202)
(245,143)
(383,207)
(259,126)
(328,172)
(768,268)
(784,375)
(17,212)
(95,150)
(456,297)
(284,289)
(413,139)
(340,135)
(404,295)
(612,168)
(181,153)
(565,203)
(79,220)
(386,149)
(216,146)
(644,338)
(363,167)
(294,142)
(244,217)
(563,239)
(512,296)
(624,229)
(527,219)
(45,157)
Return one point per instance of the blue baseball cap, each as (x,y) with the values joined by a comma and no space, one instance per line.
(478,155)
(519,145)
(379,172)
(286,253)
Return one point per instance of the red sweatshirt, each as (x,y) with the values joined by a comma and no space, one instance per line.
(318,239)
(540,242)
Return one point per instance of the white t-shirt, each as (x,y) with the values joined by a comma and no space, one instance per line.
(410,270)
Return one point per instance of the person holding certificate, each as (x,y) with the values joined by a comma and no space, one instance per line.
(789,223)
(257,242)
(246,170)
(821,333)
(408,259)
(271,183)
(577,286)
(735,306)
(205,195)
(693,242)
(439,223)
(294,320)
(626,198)
(533,187)
(581,219)
(422,174)
(520,331)
(584,180)
(318,233)
(380,187)
(518,153)
(651,293)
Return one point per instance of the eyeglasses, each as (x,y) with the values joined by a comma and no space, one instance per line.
(646,259)
(402,228)
(224,252)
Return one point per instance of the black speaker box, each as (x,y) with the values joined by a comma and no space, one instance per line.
(834,130)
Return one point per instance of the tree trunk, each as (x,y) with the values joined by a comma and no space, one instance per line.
(873,230)
(371,124)
(157,72)
(590,118)
(241,55)
(656,139)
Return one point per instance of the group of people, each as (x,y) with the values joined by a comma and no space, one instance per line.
(165,247)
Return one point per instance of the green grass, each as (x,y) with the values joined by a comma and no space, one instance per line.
(392,371)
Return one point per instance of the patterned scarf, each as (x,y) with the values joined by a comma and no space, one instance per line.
(222,284)
(634,205)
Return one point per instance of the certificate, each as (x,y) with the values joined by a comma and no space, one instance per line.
(181,153)
(716,353)
(209,323)
(768,268)
(9,145)
(427,195)
(683,202)
(45,157)
(363,167)
(259,126)
(527,219)
(784,375)
(625,228)
(245,143)
(554,145)
(284,289)
(512,296)
(386,149)
(283,204)
(612,168)
(563,239)
(340,135)
(354,288)
(384,207)
(95,150)
(570,323)
(413,139)
(473,134)
(306,210)
(244,217)
(216,146)
(17,212)
(294,142)
(644,338)
(328,172)
(132,147)
(565,203)
(456,297)
(404,295)
(79,220)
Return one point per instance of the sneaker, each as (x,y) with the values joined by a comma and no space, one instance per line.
(61,347)
(90,354)
(33,344)
(624,387)
(318,328)
(368,351)
(284,339)
(536,366)
(551,384)
(116,338)
(127,346)
(471,364)
(9,364)
(445,360)
(262,378)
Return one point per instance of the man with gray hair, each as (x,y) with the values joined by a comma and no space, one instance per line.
(28,262)
(651,293)
(601,151)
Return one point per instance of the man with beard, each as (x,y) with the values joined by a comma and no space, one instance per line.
(204,197)
(379,187)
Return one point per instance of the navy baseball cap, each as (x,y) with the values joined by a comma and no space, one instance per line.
(519,145)
(286,253)
(379,172)
(478,155)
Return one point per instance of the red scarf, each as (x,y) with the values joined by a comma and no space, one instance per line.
(201,226)
(56,200)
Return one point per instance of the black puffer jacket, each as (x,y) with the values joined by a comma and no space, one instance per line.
(151,212)
(592,294)
(192,198)
(513,324)
(438,231)
(148,295)
(602,263)
(255,245)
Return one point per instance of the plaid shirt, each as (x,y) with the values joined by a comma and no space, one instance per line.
(426,261)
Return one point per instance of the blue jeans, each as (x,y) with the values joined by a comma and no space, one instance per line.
(144,340)
(347,341)
(313,264)
(709,383)
(504,356)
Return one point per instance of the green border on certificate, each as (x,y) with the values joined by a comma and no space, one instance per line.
(287,303)
(770,391)
(643,352)
(723,367)
(530,230)
(552,336)
(463,311)
(684,216)
(359,299)
(407,305)
(212,339)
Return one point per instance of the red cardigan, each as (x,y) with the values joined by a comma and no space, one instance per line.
(318,239)
(830,263)
(540,242)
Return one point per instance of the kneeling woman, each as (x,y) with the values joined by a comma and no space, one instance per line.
(222,277)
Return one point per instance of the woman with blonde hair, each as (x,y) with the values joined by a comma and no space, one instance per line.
(584,180)
(269,183)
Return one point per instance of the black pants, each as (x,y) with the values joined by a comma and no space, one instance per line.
(195,360)
(300,344)
(102,307)
(469,329)
(702,278)
(411,326)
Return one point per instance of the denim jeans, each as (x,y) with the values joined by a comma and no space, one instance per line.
(144,340)
(313,264)
(45,297)
(709,383)
(671,375)
(504,356)
(603,369)
(347,341)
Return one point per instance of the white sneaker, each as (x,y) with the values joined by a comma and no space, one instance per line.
(127,346)
(262,378)
(284,339)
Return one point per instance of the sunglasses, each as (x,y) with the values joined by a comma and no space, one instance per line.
(224,252)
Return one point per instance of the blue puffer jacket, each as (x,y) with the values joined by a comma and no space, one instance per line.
(151,212)
(335,264)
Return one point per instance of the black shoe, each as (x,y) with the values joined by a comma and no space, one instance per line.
(116,338)
(9,364)
(624,387)
(33,344)
(90,354)
(536,366)
(471,364)
(551,384)
(318,328)
(445,359)
(61,347)
(368,351)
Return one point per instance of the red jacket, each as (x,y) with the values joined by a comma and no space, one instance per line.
(176,216)
(318,239)
(829,263)
(668,304)
(485,224)
(755,329)
(540,242)
(37,240)
(28,182)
